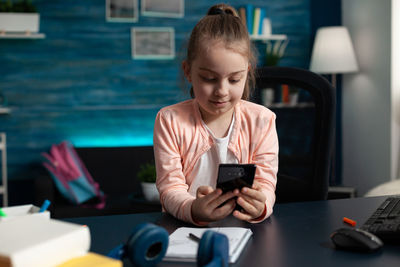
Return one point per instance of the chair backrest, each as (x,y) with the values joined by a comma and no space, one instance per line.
(305,130)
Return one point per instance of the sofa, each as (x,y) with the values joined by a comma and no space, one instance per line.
(114,169)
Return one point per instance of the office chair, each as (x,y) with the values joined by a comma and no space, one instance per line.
(305,131)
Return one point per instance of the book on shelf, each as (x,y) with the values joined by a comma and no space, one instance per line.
(285,93)
(37,241)
(253,18)
(256,20)
(242,15)
(249,17)
(261,21)
(182,248)
(277,95)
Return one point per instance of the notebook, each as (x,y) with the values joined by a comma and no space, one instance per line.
(182,248)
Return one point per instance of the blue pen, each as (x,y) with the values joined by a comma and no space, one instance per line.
(45,205)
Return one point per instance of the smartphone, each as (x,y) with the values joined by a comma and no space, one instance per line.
(232,176)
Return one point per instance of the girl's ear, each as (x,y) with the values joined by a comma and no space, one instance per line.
(186,70)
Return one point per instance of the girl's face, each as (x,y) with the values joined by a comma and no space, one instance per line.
(218,76)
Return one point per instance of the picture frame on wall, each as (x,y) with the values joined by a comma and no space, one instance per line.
(153,42)
(122,11)
(163,8)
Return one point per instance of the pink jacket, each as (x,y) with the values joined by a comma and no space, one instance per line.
(180,139)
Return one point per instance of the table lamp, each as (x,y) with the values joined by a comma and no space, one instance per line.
(333,52)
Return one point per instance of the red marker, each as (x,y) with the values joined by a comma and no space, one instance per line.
(349,221)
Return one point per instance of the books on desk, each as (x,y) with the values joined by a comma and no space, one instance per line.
(92,259)
(37,241)
(182,248)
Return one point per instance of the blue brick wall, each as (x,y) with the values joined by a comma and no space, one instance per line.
(80,83)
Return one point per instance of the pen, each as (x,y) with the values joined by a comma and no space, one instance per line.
(2,213)
(349,221)
(194,237)
(45,205)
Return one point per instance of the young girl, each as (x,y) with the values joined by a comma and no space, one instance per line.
(218,125)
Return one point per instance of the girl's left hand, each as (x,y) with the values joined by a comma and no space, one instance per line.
(252,200)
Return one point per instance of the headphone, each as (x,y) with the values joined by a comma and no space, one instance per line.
(213,250)
(147,245)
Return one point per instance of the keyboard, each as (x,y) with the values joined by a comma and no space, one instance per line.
(385,220)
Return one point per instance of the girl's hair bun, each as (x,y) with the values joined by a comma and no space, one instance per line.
(222,9)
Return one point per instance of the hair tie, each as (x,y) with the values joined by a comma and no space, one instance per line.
(216,11)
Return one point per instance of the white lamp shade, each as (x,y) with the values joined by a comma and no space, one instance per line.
(333,51)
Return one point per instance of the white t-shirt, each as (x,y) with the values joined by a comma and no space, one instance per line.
(206,169)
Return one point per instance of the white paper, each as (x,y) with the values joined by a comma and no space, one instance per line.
(22,211)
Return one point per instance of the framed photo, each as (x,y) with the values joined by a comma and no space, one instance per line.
(122,10)
(153,42)
(163,8)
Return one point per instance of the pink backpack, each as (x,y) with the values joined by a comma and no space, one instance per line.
(71,177)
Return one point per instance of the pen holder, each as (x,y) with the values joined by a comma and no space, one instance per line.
(20,212)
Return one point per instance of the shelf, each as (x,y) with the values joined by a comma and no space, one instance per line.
(22,35)
(288,105)
(5,110)
(273,37)
(3,165)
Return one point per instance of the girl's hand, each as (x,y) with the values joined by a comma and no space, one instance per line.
(207,205)
(252,201)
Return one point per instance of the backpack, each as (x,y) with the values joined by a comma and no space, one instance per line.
(71,177)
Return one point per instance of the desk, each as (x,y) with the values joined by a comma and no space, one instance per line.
(297,234)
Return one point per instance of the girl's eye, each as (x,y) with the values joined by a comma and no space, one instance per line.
(234,80)
(208,79)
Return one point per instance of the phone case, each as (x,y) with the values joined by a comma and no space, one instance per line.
(232,176)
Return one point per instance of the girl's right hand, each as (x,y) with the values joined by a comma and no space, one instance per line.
(207,205)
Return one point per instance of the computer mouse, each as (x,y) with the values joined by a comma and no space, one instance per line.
(356,239)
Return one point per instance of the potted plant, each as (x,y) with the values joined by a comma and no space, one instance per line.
(18,16)
(147,178)
(275,52)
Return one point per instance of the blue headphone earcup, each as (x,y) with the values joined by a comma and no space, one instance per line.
(204,252)
(146,246)
(213,250)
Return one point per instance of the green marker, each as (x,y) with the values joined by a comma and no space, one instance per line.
(2,214)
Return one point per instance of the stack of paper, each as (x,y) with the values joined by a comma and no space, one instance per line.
(37,241)
(182,248)
(19,212)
